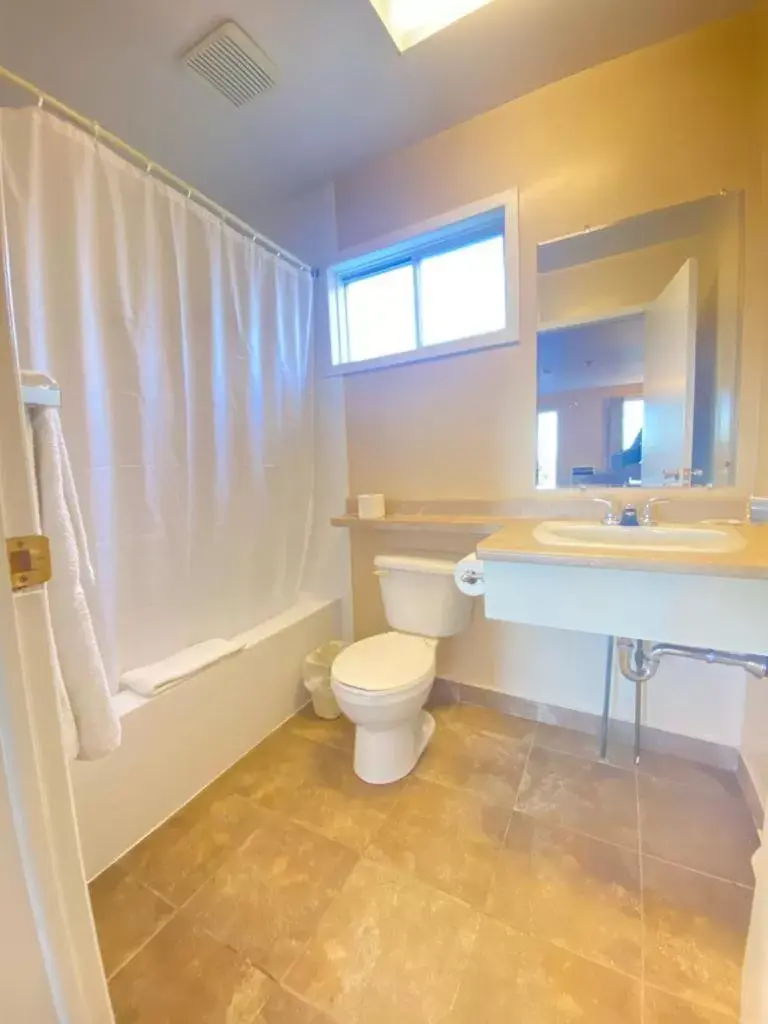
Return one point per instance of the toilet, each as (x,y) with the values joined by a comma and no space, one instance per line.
(382,683)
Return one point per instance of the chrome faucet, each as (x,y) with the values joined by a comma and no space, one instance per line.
(610,518)
(647,518)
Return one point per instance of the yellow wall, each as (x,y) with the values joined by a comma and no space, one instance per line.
(661,126)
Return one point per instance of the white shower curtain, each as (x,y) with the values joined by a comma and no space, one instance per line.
(184,356)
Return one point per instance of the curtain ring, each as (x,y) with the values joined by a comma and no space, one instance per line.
(189,193)
(149,167)
(40,101)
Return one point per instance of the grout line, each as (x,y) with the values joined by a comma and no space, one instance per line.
(697,871)
(124,963)
(308,1002)
(696,1004)
(522,779)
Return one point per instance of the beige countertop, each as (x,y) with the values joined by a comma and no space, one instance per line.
(515,542)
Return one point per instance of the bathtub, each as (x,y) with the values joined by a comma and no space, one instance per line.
(175,744)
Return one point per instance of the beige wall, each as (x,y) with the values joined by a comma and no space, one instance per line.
(662,126)
(582,419)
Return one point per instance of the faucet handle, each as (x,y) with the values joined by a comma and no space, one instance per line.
(610,518)
(646,518)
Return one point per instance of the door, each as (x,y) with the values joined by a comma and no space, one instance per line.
(39,831)
(668,380)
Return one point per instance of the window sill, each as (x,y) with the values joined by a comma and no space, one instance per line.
(463,346)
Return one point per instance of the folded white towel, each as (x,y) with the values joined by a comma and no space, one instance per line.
(151,679)
(81,680)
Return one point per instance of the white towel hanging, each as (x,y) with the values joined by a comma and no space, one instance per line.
(78,665)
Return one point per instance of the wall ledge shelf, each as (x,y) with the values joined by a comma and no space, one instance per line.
(446,523)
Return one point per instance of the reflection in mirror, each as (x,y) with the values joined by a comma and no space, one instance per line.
(638,350)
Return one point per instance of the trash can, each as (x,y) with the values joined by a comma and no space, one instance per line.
(317,678)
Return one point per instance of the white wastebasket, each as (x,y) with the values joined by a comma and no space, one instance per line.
(317,678)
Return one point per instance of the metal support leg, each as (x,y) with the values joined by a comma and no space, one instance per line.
(639,659)
(607,697)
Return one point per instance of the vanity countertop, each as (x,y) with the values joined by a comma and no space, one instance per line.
(515,542)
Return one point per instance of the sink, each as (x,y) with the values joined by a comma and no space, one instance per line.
(672,538)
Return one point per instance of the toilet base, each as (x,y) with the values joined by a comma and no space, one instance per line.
(390,752)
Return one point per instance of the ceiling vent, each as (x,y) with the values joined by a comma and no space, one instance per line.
(232,63)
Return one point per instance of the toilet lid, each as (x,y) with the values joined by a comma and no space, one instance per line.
(385,662)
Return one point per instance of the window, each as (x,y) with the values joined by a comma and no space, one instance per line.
(632,412)
(546,472)
(449,288)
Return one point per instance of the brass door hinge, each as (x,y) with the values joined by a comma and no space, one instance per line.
(29,559)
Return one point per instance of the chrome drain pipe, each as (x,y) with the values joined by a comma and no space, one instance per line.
(639,661)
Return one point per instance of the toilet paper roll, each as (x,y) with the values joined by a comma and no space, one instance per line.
(469,575)
(370,506)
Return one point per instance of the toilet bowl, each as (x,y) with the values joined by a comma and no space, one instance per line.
(382,683)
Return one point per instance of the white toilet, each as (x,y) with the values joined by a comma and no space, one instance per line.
(382,683)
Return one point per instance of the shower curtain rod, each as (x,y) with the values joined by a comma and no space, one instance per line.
(151,167)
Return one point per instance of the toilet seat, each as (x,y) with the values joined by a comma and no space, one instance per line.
(386,663)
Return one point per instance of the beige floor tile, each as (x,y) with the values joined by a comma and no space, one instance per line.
(284,1008)
(126,915)
(184,976)
(710,832)
(179,856)
(573,890)
(471,718)
(695,931)
(333,800)
(513,977)
(283,759)
(337,732)
(662,1008)
(446,837)
(486,764)
(582,795)
(267,899)
(389,950)
(702,777)
(581,744)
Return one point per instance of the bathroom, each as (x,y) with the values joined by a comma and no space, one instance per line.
(239,869)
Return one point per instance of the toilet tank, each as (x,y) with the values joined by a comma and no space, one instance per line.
(420,595)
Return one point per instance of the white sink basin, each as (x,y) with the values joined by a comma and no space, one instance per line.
(672,538)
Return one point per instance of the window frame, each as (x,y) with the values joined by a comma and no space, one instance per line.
(461,227)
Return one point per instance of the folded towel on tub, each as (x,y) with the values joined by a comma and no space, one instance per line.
(151,679)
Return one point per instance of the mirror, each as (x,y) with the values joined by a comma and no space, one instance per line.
(638,350)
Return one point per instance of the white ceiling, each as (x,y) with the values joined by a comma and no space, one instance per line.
(344,94)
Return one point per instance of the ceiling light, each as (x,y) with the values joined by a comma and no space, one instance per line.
(410,21)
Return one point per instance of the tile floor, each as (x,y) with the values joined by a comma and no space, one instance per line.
(512,878)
